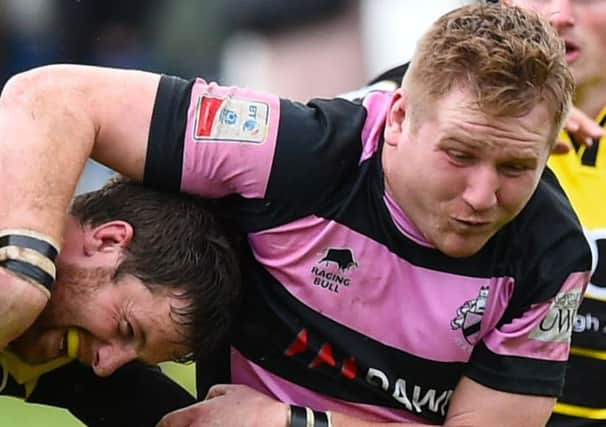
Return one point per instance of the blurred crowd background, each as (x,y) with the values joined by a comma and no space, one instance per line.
(296,48)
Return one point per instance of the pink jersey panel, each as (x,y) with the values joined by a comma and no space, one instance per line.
(251,374)
(377,106)
(392,301)
(229,141)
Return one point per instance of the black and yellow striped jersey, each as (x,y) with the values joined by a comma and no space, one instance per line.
(582,174)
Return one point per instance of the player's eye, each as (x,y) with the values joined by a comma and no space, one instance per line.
(126,329)
(459,157)
(514,169)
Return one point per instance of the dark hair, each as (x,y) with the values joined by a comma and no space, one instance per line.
(177,245)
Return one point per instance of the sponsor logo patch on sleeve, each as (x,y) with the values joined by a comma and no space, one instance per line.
(558,322)
(231,119)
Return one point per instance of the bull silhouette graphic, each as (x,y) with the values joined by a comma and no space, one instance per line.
(342,257)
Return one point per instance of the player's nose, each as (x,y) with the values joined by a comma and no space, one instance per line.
(561,16)
(110,357)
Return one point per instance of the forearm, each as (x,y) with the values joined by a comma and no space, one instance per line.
(342,420)
(20,303)
(42,152)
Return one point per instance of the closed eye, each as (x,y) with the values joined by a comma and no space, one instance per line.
(126,329)
(459,157)
(514,169)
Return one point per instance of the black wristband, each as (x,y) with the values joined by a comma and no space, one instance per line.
(320,419)
(26,269)
(298,416)
(22,241)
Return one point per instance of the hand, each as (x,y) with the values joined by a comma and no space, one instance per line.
(20,303)
(230,406)
(582,127)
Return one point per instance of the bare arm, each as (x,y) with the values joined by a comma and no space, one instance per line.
(51,120)
(20,302)
(472,405)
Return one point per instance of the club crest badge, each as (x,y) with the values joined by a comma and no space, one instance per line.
(469,316)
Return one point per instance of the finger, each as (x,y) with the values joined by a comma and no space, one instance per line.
(590,128)
(584,128)
(218,390)
(572,125)
(561,147)
(595,131)
(179,418)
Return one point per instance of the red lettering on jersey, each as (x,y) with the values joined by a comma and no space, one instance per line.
(350,368)
(299,345)
(324,357)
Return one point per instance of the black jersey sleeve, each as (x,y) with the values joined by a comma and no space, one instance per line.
(217,142)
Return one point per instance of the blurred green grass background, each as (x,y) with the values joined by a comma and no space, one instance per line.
(16,413)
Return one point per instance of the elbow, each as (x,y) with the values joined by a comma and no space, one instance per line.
(25,83)
(48,105)
(40,84)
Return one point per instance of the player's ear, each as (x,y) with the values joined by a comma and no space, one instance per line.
(394,123)
(112,236)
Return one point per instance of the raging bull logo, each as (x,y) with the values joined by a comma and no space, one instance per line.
(330,272)
(469,316)
(342,258)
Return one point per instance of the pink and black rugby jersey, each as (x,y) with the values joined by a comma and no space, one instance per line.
(346,306)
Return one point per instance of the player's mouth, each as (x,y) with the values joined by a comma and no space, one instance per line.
(470,225)
(573,51)
(70,343)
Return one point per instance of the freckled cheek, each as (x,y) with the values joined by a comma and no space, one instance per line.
(445,184)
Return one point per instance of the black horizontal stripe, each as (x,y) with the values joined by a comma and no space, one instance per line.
(533,376)
(28,242)
(26,269)
(585,382)
(324,134)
